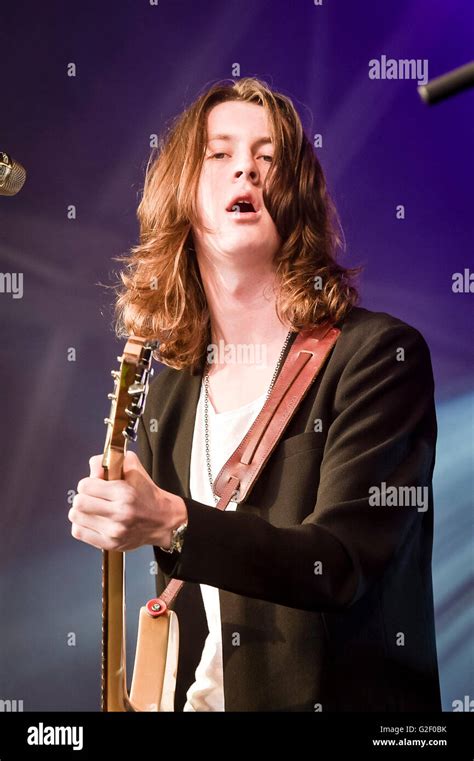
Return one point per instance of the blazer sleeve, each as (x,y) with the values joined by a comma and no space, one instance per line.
(145,455)
(383,431)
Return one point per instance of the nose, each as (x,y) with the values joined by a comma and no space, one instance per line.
(252,173)
(246,165)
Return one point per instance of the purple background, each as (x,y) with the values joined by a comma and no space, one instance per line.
(85,141)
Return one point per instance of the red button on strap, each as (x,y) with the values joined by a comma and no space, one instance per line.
(156,607)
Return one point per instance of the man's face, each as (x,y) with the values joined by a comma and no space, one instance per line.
(238,156)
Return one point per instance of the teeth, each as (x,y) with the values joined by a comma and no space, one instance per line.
(235,204)
(242,200)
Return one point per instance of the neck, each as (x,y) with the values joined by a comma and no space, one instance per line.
(242,304)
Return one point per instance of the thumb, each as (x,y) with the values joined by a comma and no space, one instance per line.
(131,462)
(95,465)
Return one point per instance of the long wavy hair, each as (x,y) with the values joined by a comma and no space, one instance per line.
(161,294)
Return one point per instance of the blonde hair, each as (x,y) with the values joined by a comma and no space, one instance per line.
(161,295)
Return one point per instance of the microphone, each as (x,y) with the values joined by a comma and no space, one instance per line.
(448,84)
(12,175)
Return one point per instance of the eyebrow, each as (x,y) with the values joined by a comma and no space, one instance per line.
(257,142)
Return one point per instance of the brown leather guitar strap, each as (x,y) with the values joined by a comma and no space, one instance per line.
(236,478)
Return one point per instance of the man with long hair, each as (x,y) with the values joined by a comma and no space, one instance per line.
(314,593)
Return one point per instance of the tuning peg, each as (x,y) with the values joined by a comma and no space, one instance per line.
(115,374)
(111,396)
(119,359)
(107,421)
(131,430)
(136,388)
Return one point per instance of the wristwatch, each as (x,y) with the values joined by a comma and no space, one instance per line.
(177,539)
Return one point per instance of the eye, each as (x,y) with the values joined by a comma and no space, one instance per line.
(267,157)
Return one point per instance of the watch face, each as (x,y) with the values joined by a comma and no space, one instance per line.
(178,537)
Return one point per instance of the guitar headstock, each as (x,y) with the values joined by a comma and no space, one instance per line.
(131,382)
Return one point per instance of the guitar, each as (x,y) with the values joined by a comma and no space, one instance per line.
(155,667)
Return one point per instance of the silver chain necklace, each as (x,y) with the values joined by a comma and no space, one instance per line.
(206,408)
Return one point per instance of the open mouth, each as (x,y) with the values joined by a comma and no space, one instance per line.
(244,204)
(242,207)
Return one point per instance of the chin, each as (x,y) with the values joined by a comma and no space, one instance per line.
(250,250)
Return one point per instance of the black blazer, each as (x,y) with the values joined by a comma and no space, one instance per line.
(326,599)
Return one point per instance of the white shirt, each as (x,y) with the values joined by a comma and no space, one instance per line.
(226,431)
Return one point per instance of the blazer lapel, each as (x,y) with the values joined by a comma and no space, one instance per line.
(188,396)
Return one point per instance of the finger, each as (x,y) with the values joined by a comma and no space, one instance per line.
(97,523)
(103,533)
(89,536)
(96,487)
(95,465)
(88,505)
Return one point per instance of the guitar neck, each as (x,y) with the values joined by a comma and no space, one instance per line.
(127,403)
